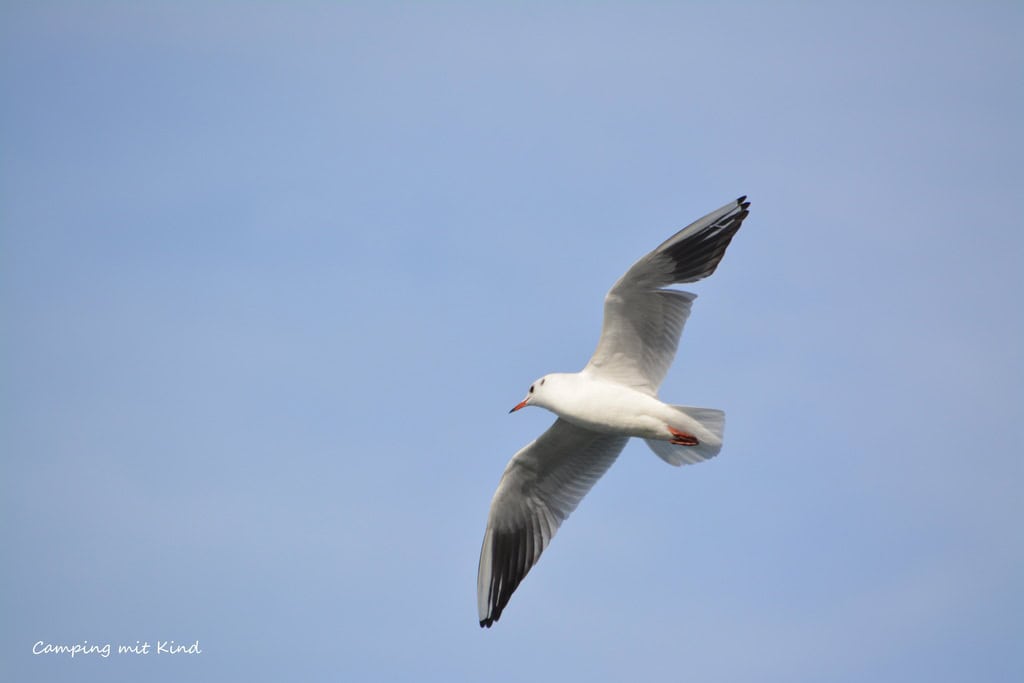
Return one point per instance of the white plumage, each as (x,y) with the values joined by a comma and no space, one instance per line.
(599,408)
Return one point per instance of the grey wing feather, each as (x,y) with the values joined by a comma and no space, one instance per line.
(542,484)
(643,321)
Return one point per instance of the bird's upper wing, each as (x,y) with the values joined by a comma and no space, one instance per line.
(542,484)
(643,321)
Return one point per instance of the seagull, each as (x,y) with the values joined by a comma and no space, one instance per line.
(599,408)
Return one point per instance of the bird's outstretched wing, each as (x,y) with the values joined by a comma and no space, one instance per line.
(642,320)
(541,486)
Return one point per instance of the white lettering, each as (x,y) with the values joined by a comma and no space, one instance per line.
(136,649)
(43,648)
(169,647)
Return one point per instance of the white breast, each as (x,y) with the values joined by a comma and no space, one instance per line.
(606,407)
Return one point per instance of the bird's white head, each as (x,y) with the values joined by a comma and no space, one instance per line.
(536,395)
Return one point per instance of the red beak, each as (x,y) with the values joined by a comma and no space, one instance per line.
(521,404)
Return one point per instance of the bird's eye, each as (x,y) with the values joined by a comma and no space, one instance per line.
(543,380)
(531,388)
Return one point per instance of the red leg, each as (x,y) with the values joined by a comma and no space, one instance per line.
(682,438)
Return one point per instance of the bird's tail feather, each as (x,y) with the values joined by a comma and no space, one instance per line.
(707,424)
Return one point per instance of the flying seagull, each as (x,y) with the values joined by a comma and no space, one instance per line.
(613,398)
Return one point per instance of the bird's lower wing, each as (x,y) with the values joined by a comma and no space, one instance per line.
(541,486)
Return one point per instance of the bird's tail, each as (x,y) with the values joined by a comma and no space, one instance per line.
(707,424)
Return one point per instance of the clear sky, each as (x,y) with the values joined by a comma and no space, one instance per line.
(272,274)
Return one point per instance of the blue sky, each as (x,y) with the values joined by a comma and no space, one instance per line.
(271,276)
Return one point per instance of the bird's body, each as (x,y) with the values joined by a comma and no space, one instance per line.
(613,398)
(612,408)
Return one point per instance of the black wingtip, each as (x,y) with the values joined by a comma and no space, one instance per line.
(486,623)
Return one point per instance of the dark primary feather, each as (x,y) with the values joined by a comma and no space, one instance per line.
(696,254)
